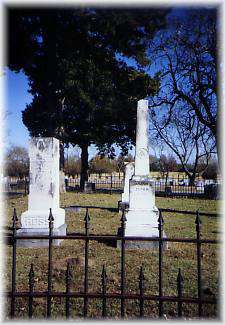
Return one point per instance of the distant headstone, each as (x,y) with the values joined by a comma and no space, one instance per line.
(212,191)
(129,172)
(43,193)
(200,186)
(168,190)
(62,186)
(89,187)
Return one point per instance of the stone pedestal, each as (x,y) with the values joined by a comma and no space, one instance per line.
(142,215)
(43,193)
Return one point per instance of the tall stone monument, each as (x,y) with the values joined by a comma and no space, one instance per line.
(129,172)
(142,215)
(43,193)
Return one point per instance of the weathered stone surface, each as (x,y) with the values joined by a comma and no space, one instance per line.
(62,184)
(142,142)
(44,187)
(129,172)
(35,243)
(142,215)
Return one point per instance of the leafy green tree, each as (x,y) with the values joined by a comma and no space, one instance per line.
(84,92)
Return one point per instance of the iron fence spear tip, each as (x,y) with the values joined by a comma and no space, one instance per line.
(50,218)
(87,216)
(123,218)
(141,274)
(31,268)
(103,275)
(14,218)
(197,219)
(179,276)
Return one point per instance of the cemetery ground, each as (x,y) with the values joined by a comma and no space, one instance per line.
(103,221)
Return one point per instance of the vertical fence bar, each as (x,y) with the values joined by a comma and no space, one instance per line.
(49,298)
(87,226)
(111,184)
(104,279)
(198,235)
(68,286)
(14,242)
(141,289)
(123,225)
(179,292)
(160,228)
(25,186)
(31,290)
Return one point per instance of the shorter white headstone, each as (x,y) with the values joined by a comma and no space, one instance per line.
(129,172)
(62,185)
(43,192)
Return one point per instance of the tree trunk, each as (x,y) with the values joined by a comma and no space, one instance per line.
(62,187)
(84,166)
(167,174)
(61,156)
(192,179)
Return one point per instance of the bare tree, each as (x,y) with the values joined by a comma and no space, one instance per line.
(17,162)
(186,137)
(167,164)
(184,111)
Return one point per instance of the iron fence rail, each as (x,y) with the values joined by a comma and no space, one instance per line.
(113,185)
(180,298)
(161,188)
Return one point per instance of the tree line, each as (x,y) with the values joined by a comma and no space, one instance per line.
(17,165)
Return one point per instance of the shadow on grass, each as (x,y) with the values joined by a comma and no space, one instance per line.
(97,190)
(76,208)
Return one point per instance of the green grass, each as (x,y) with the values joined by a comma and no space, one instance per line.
(178,255)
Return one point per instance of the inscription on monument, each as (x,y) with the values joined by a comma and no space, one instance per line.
(35,222)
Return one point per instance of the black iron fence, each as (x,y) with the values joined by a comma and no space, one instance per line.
(171,188)
(20,187)
(123,295)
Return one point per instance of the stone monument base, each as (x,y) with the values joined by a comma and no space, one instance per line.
(36,223)
(38,243)
(39,218)
(139,244)
(142,223)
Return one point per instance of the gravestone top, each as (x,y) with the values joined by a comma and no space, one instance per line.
(44,173)
(142,143)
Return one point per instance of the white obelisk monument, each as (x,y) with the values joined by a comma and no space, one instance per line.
(142,215)
(43,193)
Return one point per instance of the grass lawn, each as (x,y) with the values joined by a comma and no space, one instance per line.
(178,255)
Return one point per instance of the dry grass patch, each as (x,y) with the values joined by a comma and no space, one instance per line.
(178,255)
